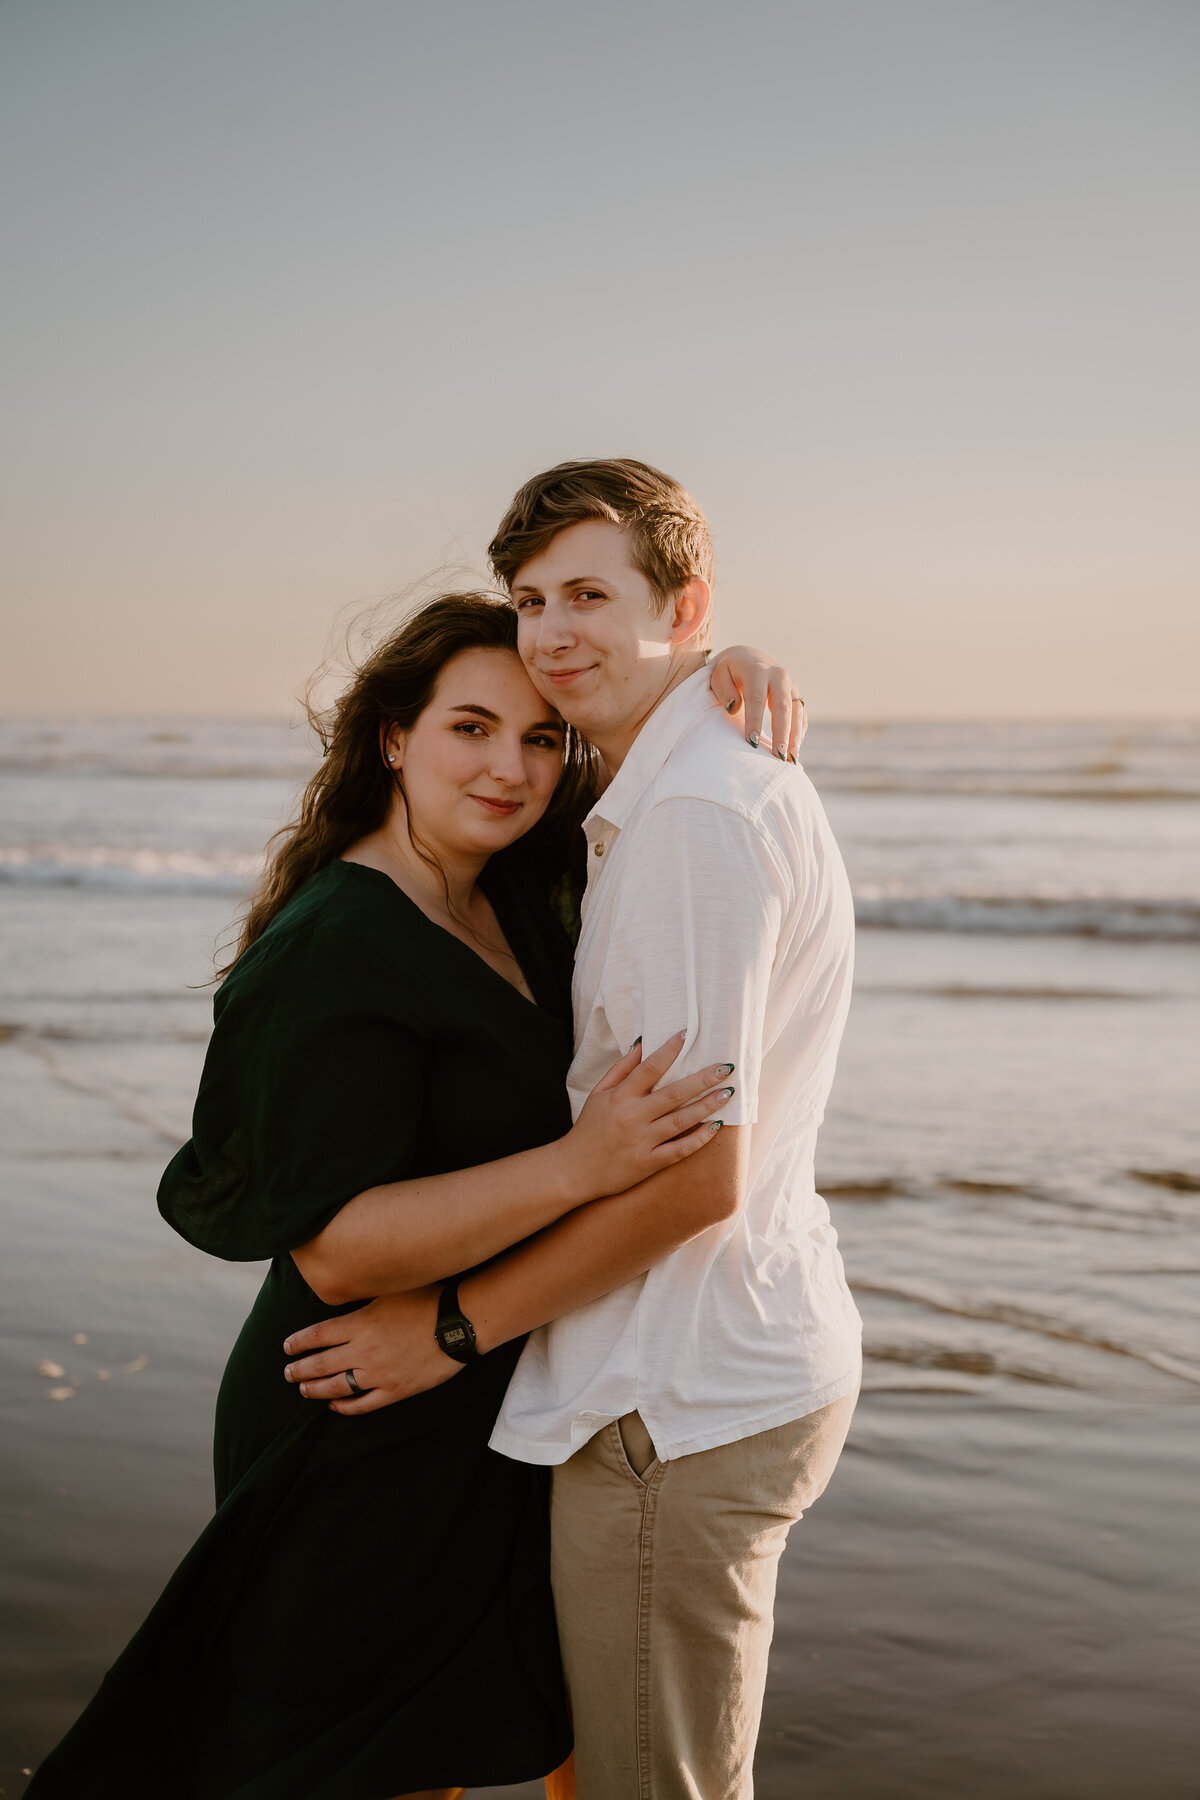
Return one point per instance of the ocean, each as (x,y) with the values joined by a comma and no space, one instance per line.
(998,1593)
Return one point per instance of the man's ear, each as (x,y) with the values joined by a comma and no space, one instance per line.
(692,605)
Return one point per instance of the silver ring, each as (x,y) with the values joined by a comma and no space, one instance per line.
(354,1387)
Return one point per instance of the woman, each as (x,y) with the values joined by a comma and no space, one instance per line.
(368,1613)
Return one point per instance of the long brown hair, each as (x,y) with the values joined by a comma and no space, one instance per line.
(351,793)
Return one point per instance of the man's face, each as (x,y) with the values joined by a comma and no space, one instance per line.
(590,635)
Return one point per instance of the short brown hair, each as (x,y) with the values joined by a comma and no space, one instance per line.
(669,537)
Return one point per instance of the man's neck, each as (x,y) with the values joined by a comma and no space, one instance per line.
(614,746)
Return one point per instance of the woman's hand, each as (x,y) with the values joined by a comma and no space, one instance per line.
(630,1128)
(744,677)
(388,1346)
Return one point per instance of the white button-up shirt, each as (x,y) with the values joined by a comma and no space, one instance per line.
(716,900)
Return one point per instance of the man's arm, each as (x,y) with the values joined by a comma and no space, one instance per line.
(390,1343)
(602,1246)
(398,1237)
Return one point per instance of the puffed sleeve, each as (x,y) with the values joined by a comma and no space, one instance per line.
(311,1092)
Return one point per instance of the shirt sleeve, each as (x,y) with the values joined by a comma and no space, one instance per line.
(311,1092)
(694,939)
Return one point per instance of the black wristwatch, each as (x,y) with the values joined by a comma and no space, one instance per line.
(454,1331)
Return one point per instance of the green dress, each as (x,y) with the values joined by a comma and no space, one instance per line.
(369,1611)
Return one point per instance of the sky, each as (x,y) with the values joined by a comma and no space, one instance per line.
(904,291)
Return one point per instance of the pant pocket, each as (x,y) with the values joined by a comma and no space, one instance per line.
(637,1446)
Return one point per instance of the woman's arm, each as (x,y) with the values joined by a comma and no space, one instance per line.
(391,1346)
(408,1233)
(743,676)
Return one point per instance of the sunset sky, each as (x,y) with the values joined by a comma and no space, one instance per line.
(905,292)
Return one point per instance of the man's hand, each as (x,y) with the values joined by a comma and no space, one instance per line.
(388,1346)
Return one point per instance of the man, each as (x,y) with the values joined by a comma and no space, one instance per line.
(695,1387)
(693,1413)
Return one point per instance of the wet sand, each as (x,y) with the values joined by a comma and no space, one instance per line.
(983,1607)
(998,1594)
(989,1601)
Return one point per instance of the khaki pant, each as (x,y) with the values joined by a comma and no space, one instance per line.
(664,1585)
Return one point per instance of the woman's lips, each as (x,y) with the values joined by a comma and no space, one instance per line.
(502,809)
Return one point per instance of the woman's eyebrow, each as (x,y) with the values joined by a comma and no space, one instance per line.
(481,712)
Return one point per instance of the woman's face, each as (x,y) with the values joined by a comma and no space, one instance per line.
(483,759)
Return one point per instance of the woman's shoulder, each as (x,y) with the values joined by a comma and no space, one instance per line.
(345,930)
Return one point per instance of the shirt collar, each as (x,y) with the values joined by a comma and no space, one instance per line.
(671,719)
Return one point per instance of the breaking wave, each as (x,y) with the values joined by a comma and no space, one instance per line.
(1030,914)
(127,870)
(895,906)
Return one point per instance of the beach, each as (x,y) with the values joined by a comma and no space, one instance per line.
(998,1593)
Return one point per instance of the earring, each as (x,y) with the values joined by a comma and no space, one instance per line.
(391,759)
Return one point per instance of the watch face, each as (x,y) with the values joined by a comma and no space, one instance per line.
(453,1337)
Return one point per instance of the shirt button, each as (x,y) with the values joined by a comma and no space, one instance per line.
(599,849)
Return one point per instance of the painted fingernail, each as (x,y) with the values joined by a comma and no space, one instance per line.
(754,740)
(715,1124)
(792,759)
(732,707)
(637,1040)
(724,1068)
(782,755)
(726,1094)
